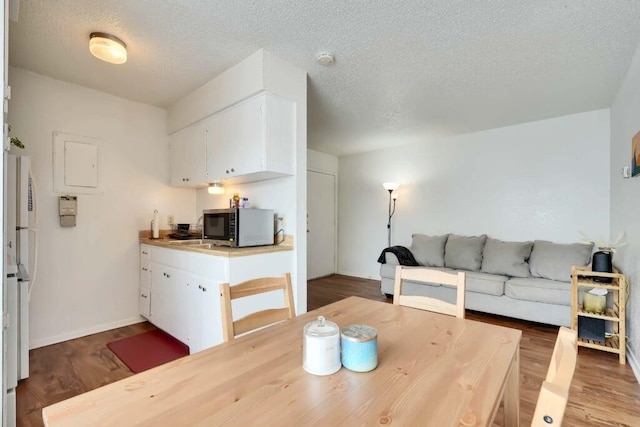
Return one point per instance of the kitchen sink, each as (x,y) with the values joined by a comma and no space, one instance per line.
(187,242)
(202,246)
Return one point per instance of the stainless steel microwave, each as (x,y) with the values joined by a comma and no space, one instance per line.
(238,227)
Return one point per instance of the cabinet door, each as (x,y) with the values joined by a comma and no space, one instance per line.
(205,323)
(144,296)
(187,151)
(144,302)
(235,140)
(170,300)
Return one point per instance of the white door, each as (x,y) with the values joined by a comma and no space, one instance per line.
(321,224)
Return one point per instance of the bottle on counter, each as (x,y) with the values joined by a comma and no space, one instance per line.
(236,200)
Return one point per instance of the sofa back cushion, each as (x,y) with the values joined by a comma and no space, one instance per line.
(554,260)
(506,258)
(464,253)
(428,250)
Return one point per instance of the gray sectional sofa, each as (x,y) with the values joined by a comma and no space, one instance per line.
(524,280)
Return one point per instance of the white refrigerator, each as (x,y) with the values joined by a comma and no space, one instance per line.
(20,248)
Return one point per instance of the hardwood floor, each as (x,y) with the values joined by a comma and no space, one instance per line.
(603,393)
(60,371)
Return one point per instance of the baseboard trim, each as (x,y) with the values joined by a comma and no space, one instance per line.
(633,362)
(359,276)
(84,332)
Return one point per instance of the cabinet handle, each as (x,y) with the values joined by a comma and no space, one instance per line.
(199,286)
(227,171)
(166,275)
(144,296)
(233,170)
(144,269)
(145,253)
(204,289)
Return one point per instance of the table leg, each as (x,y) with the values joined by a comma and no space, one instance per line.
(511,396)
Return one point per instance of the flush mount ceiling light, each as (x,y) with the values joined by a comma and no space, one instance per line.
(108,48)
(215,188)
(325,59)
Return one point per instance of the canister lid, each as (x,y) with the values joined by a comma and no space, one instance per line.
(359,333)
(321,328)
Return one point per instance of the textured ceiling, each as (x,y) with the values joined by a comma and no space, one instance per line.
(405,70)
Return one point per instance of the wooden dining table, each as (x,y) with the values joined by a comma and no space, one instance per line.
(433,370)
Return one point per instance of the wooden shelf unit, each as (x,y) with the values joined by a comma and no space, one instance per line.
(581,278)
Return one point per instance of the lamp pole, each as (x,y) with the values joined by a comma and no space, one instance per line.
(390,187)
(389,221)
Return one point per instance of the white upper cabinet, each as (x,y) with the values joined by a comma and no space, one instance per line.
(253,140)
(188,161)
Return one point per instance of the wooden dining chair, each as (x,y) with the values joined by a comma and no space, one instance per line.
(554,392)
(428,303)
(259,319)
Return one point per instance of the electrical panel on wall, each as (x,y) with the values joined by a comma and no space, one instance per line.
(75,164)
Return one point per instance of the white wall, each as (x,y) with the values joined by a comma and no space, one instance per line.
(290,82)
(88,276)
(287,196)
(541,180)
(625,204)
(239,82)
(321,162)
(271,194)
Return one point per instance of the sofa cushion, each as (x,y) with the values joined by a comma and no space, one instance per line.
(428,250)
(539,290)
(483,283)
(554,260)
(464,253)
(506,258)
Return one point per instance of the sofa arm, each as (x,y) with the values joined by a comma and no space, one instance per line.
(391,259)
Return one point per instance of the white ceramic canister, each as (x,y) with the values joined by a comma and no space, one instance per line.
(321,347)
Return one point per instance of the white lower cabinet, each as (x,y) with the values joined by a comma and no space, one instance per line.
(183,298)
(170,300)
(144,295)
(144,302)
(204,321)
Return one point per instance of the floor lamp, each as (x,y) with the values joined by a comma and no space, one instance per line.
(391,187)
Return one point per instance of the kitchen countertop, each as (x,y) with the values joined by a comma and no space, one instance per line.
(202,247)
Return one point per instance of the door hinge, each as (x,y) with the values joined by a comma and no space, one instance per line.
(5,320)
(7,92)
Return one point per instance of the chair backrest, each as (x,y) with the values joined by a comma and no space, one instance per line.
(554,392)
(259,319)
(427,303)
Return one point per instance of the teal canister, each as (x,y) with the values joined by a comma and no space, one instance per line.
(359,345)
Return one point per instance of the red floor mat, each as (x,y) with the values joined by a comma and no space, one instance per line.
(148,350)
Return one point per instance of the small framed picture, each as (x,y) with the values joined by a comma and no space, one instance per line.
(635,154)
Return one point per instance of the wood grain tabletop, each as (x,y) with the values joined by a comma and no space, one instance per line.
(433,370)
